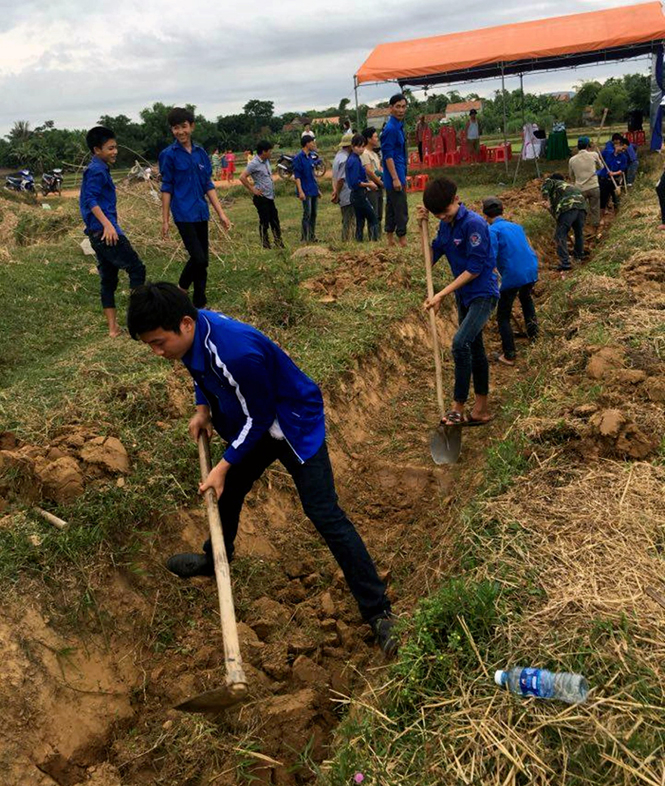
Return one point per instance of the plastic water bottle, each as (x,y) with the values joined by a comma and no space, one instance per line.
(571,688)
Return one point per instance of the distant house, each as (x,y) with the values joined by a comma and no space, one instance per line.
(297,124)
(320,120)
(564,96)
(435,118)
(463,108)
(378,117)
(589,117)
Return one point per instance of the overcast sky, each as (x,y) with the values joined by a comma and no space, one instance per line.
(73,60)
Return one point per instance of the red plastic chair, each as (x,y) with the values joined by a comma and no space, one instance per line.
(409,183)
(420,182)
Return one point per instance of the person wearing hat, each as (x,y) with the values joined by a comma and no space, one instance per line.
(583,168)
(472,131)
(517,263)
(341,192)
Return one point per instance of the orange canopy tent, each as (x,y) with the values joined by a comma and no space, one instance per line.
(559,42)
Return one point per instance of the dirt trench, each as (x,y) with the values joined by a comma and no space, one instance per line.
(92,703)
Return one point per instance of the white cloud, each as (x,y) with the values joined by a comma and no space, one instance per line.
(72,61)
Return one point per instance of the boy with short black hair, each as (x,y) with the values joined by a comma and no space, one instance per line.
(518,266)
(97,200)
(262,190)
(359,183)
(395,156)
(186,182)
(307,189)
(463,237)
(266,409)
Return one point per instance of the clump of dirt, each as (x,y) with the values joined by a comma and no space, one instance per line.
(348,270)
(645,272)
(59,472)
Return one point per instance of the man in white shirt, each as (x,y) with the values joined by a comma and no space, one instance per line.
(583,168)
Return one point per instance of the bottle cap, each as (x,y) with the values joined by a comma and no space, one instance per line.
(498,676)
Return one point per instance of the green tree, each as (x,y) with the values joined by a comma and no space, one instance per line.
(341,107)
(20,131)
(259,111)
(613,96)
(638,87)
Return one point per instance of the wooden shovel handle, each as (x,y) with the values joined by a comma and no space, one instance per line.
(235,676)
(427,253)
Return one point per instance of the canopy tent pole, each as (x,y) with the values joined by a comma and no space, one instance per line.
(355,90)
(505,122)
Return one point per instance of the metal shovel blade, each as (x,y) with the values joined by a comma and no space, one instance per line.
(445,444)
(215,700)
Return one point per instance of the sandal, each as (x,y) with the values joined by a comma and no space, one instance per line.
(471,421)
(453,418)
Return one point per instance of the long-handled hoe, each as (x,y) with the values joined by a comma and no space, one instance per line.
(445,442)
(235,690)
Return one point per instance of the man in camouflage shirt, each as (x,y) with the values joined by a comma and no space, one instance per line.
(568,206)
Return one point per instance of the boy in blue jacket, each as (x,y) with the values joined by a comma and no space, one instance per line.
(187,188)
(307,188)
(463,237)
(266,409)
(359,183)
(518,266)
(97,201)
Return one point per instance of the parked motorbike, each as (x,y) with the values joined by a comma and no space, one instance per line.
(20,181)
(285,165)
(52,182)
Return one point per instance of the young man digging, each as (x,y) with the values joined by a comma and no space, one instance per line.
(97,201)
(266,409)
(463,237)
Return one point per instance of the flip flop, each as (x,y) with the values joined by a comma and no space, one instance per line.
(497,357)
(471,421)
(452,418)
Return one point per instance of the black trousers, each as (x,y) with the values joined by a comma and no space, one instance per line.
(110,260)
(268,217)
(316,489)
(504,313)
(607,190)
(397,212)
(364,212)
(376,201)
(194,235)
(570,219)
(660,190)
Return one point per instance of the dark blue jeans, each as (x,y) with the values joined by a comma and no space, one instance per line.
(309,211)
(110,260)
(469,350)
(505,311)
(316,489)
(364,212)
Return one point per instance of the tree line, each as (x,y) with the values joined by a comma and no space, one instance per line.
(46,146)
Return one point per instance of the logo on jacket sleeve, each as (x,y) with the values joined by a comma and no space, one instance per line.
(475,240)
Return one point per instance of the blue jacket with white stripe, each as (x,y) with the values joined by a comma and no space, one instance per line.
(252,387)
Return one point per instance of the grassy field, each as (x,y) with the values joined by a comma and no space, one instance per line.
(548,542)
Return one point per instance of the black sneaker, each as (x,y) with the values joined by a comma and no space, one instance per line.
(383,629)
(187,565)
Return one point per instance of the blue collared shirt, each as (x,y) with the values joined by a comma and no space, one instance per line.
(98,190)
(516,260)
(355,172)
(393,145)
(188,178)
(252,388)
(467,246)
(303,170)
(616,162)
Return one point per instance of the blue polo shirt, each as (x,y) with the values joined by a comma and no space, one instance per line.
(516,260)
(467,246)
(252,388)
(188,178)
(303,170)
(98,190)
(393,145)
(355,172)
(616,162)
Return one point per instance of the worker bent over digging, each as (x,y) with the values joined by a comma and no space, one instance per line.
(463,237)
(266,409)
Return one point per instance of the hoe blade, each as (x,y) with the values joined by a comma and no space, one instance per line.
(215,700)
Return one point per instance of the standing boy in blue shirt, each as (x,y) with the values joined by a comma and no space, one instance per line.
(394,152)
(186,182)
(307,188)
(266,409)
(97,201)
(358,181)
(463,237)
(633,161)
(518,265)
